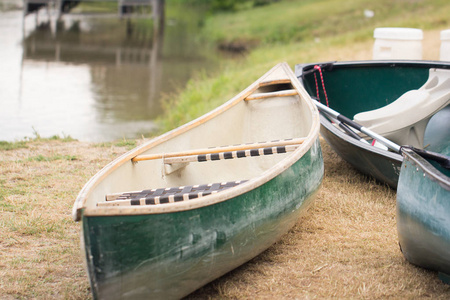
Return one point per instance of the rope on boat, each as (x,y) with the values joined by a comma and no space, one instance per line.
(167,195)
(317,67)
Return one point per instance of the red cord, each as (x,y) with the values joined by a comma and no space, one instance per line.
(316,67)
(317,87)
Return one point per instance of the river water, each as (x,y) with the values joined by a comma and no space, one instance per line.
(93,76)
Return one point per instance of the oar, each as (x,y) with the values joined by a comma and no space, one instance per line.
(357,126)
(443,160)
(347,129)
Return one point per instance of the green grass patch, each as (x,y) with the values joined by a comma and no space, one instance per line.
(6,207)
(56,137)
(130,144)
(33,225)
(4,145)
(13,186)
(305,20)
(41,157)
(64,138)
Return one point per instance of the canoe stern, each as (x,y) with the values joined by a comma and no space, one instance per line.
(423,214)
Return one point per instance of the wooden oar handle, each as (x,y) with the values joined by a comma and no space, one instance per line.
(219,149)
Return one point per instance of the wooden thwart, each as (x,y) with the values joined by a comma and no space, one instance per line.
(284,93)
(286,142)
(231,154)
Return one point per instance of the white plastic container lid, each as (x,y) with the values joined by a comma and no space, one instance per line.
(445,34)
(393,33)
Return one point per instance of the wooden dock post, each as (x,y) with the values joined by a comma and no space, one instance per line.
(127,7)
(124,7)
(33,6)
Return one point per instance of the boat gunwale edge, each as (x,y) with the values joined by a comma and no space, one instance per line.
(427,168)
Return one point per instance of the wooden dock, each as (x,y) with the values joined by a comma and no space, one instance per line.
(125,8)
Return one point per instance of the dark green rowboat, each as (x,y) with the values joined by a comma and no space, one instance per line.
(174,214)
(355,87)
(423,202)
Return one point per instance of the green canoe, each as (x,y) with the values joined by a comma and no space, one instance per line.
(183,209)
(361,88)
(423,202)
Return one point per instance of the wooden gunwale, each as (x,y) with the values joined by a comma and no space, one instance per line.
(80,208)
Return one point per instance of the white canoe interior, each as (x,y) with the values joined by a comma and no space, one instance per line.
(274,108)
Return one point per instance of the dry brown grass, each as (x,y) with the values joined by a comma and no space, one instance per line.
(345,246)
(39,242)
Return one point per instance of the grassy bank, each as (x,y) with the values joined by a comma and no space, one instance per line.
(298,32)
(306,20)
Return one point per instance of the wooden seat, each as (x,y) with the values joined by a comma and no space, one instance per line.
(167,195)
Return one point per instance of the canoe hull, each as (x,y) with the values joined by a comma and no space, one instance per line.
(423,214)
(381,165)
(169,255)
(161,229)
(353,87)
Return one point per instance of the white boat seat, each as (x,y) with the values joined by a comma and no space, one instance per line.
(167,195)
(404,120)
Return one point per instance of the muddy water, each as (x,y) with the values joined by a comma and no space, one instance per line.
(93,77)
